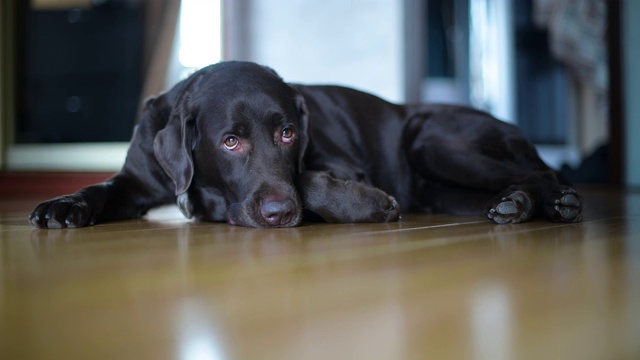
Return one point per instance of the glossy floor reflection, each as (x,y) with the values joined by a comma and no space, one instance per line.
(429,287)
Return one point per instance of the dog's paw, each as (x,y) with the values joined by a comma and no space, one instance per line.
(345,201)
(513,208)
(564,205)
(390,211)
(69,211)
(372,205)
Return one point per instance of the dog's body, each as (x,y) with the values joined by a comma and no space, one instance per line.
(234,143)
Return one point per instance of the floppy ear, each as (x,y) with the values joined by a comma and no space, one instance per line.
(173,144)
(303,125)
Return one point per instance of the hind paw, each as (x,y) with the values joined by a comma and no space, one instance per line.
(564,205)
(511,209)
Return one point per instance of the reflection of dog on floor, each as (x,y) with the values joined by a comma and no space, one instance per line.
(235,143)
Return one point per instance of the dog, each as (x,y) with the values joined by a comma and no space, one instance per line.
(235,143)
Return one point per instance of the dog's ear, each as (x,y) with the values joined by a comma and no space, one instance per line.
(303,126)
(174,143)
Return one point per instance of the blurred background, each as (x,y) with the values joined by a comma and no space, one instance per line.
(74,72)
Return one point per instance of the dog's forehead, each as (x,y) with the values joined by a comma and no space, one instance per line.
(243,78)
(257,93)
(254,88)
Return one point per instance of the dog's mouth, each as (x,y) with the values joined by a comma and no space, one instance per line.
(267,212)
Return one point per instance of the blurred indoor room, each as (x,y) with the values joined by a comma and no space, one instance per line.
(73,78)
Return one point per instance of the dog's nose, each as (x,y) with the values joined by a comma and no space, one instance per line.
(277,213)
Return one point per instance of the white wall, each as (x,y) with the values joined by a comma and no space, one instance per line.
(631,46)
(357,43)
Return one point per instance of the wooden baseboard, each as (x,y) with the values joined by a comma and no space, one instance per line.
(46,184)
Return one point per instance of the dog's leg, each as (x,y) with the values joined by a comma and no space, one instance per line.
(120,198)
(345,201)
(520,193)
(482,154)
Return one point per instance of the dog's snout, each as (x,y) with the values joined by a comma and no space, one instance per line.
(277,212)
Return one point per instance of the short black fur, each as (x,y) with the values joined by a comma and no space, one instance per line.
(235,143)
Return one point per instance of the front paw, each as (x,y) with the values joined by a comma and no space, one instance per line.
(389,211)
(69,211)
(362,203)
(345,201)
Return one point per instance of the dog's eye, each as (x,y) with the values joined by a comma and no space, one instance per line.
(287,135)
(231,142)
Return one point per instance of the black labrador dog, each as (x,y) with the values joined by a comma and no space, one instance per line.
(235,143)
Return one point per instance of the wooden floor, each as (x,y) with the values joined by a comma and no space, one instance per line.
(429,287)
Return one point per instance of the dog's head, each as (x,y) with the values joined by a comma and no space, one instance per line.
(231,137)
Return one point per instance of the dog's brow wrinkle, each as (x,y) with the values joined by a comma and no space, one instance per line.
(245,112)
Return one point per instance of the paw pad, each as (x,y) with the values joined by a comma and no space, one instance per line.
(565,206)
(511,209)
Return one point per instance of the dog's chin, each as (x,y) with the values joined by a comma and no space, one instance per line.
(241,215)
